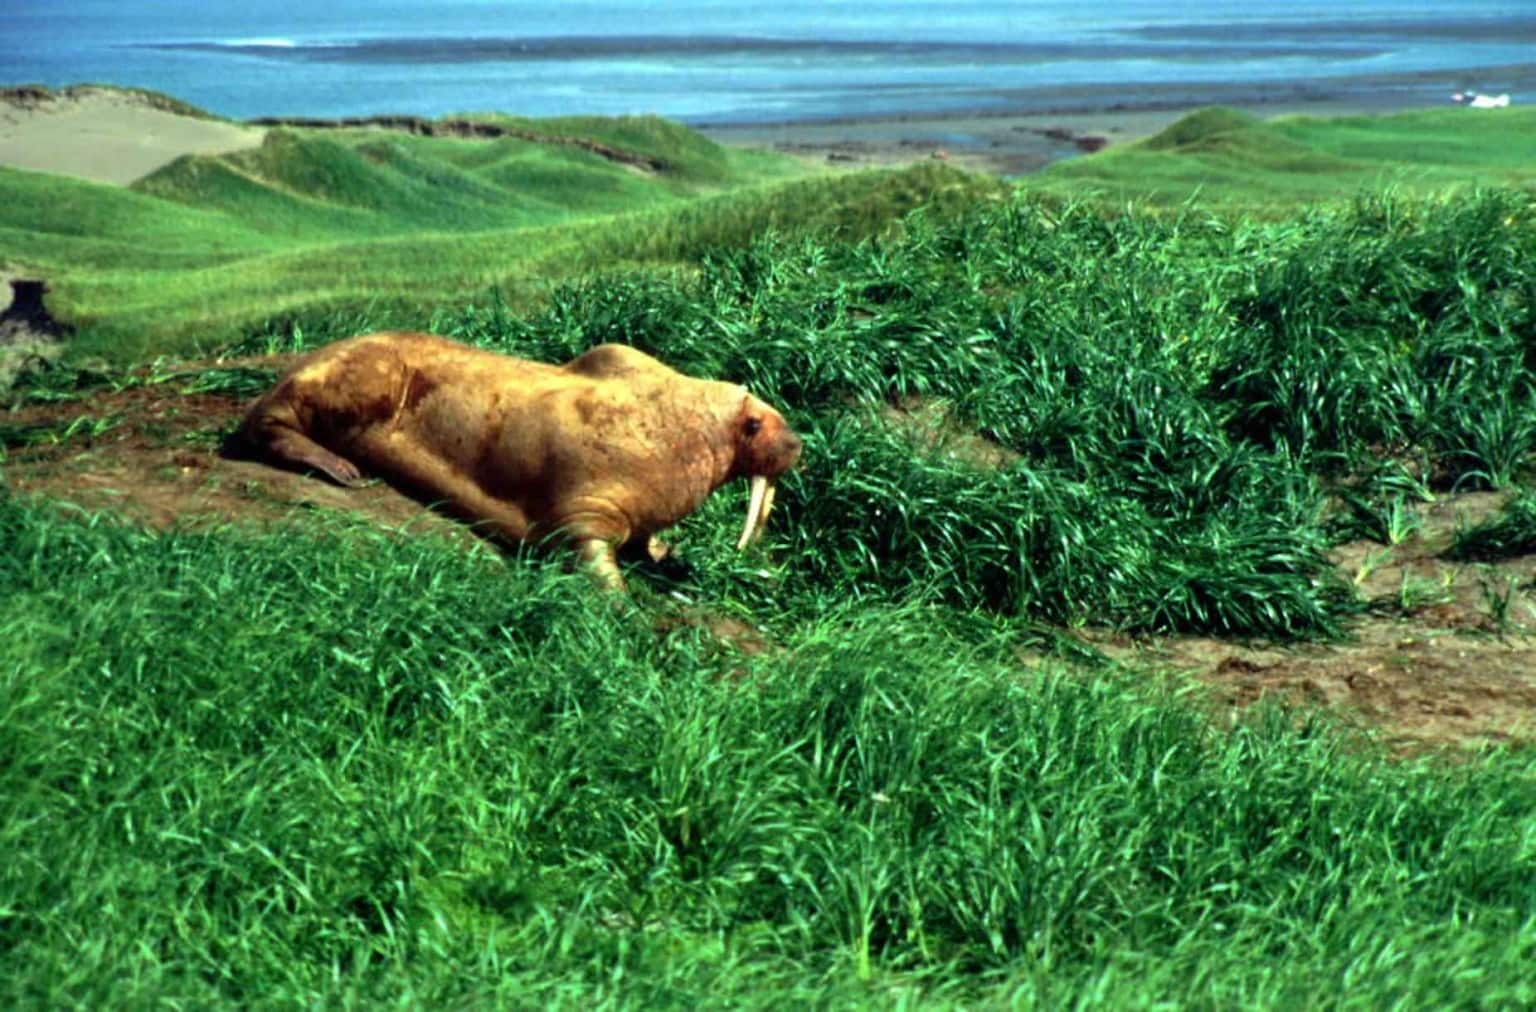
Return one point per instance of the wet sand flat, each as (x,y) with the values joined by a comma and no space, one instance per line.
(1028,131)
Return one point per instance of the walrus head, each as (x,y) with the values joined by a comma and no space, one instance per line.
(765,448)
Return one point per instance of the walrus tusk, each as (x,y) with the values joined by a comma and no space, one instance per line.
(757,511)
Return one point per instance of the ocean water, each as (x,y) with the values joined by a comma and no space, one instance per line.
(714,62)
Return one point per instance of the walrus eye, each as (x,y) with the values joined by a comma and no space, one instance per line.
(752,426)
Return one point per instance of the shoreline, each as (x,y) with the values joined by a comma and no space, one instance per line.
(1003,143)
(117,135)
(1016,134)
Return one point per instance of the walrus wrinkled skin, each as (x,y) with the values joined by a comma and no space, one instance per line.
(603,451)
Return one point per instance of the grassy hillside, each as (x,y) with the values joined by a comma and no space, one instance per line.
(321,225)
(128,310)
(367,224)
(1230,157)
(351,183)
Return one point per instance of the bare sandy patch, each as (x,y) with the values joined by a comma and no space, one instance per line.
(106,135)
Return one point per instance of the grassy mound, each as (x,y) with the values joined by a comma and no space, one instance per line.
(320,226)
(1200,128)
(1227,156)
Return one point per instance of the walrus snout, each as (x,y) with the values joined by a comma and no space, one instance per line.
(772,449)
(766,445)
(793,445)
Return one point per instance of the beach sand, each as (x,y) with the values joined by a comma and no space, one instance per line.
(105,135)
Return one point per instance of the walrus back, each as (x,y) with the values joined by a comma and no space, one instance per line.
(617,361)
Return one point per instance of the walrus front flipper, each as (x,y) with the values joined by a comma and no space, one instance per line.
(401,459)
(601,561)
(291,447)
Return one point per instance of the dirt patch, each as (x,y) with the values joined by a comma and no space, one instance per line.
(153,452)
(1442,657)
(1416,681)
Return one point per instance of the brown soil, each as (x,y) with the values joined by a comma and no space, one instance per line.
(1442,657)
(154,453)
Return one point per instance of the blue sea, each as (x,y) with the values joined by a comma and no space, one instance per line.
(713,62)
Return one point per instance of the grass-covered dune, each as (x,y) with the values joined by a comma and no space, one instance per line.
(353,183)
(326,224)
(1228,156)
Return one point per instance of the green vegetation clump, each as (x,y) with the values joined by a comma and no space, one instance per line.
(1164,407)
(339,766)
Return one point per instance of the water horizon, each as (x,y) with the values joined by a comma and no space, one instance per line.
(734,63)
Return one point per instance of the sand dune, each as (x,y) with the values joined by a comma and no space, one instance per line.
(106,135)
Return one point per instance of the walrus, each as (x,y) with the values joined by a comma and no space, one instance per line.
(602,452)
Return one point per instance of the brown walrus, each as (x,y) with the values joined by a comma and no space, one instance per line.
(603,451)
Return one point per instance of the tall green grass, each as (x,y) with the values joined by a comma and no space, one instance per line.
(1182,397)
(340,766)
